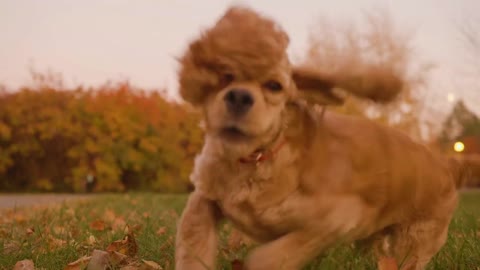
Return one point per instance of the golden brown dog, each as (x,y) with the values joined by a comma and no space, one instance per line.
(292,176)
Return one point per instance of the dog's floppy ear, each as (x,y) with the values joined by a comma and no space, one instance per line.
(378,84)
(316,87)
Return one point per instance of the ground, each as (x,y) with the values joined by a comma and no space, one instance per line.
(142,226)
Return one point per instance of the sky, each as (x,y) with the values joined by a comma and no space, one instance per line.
(92,41)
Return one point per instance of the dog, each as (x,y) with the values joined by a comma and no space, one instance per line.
(291,175)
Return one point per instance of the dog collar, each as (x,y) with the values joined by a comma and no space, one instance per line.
(262,155)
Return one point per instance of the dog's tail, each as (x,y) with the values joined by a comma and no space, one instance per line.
(460,171)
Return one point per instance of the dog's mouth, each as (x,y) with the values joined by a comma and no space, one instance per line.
(234,134)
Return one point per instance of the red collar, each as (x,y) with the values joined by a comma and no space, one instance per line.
(262,155)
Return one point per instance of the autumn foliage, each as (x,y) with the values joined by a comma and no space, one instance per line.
(52,137)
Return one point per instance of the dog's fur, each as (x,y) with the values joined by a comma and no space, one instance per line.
(332,177)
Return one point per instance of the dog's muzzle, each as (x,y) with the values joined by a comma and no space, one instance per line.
(238,101)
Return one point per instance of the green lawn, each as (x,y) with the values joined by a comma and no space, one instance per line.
(56,236)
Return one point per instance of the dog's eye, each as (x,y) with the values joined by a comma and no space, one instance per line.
(273,86)
(226,79)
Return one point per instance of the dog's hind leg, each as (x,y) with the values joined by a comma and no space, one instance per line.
(412,246)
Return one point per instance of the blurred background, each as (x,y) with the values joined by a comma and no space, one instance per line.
(88,91)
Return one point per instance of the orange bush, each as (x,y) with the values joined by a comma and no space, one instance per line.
(51,138)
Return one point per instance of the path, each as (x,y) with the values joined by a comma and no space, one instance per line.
(21,200)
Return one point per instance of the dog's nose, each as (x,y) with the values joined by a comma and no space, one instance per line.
(238,101)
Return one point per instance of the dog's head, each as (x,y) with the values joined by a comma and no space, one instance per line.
(239,73)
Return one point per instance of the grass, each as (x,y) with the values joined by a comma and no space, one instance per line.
(53,237)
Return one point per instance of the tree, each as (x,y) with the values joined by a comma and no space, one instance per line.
(460,123)
(470,34)
(339,47)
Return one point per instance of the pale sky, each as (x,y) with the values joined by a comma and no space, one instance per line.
(92,41)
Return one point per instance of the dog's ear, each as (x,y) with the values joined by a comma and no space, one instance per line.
(378,84)
(316,87)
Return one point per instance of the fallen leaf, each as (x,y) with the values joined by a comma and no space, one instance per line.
(119,224)
(136,228)
(91,240)
(11,247)
(150,265)
(161,231)
(56,243)
(117,258)
(173,214)
(167,244)
(97,225)
(24,265)
(58,230)
(127,245)
(19,218)
(99,260)
(30,231)
(78,264)
(70,212)
(109,215)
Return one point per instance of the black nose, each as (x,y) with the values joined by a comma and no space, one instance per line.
(238,101)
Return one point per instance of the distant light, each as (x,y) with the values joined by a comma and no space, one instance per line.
(458,147)
(451,97)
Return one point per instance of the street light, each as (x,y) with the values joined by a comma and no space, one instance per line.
(451,97)
(458,147)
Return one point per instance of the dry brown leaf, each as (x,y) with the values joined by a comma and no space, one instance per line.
(118,246)
(11,247)
(24,265)
(119,224)
(109,215)
(97,225)
(30,231)
(99,260)
(91,240)
(173,214)
(56,243)
(127,245)
(19,217)
(167,244)
(117,258)
(78,264)
(70,212)
(136,228)
(59,230)
(150,265)
(161,230)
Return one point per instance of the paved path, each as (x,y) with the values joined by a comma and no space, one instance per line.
(21,200)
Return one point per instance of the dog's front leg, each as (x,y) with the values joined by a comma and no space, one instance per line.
(196,243)
(289,252)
